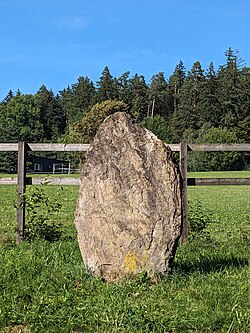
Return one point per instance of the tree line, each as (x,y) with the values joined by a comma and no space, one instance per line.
(198,105)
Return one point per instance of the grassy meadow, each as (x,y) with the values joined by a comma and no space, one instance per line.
(44,286)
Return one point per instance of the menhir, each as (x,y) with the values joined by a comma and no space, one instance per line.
(128,216)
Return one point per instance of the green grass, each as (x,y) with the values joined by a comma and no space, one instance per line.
(220,174)
(44,286)
(66,195)
(229,207)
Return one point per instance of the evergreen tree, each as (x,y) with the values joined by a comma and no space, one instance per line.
(83,97)
(210,104)
(52,116)
(176,81)
(65,98)
(9,96)
(2,116)
(234,93)
(106,87)
(77,99)
(188,115)
(123,86)
(139,97)
(159,96)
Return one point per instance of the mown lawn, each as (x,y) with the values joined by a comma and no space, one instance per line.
(45,288)
(220,174)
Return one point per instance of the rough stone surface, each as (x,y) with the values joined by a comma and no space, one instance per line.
(128,215)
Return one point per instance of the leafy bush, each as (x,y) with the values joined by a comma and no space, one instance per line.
(212,161)
(85,130)
(41,221)
(159,126)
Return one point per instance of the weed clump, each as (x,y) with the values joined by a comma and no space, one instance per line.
(198,219)
(42,220)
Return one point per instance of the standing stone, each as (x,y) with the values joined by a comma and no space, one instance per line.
(128,216)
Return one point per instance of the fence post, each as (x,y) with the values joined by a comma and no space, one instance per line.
(184,199)
(21,187)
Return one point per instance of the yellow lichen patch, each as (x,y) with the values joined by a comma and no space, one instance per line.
(130,263)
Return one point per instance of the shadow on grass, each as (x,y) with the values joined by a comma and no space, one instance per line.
(207,265)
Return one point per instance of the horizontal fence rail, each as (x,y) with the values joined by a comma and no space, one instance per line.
(76,181)
(244,147)
(60,147)
(183,148)
(8,146)
(41,181)
(67,147)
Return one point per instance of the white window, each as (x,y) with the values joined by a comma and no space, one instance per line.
(38,167)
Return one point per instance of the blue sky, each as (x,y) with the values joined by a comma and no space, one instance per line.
(53,42)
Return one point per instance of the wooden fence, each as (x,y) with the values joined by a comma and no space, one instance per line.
(183,148)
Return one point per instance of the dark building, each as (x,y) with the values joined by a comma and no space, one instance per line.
(49,165)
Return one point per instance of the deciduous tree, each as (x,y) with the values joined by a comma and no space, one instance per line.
(85,130)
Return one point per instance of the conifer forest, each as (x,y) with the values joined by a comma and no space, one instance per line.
(198,105)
